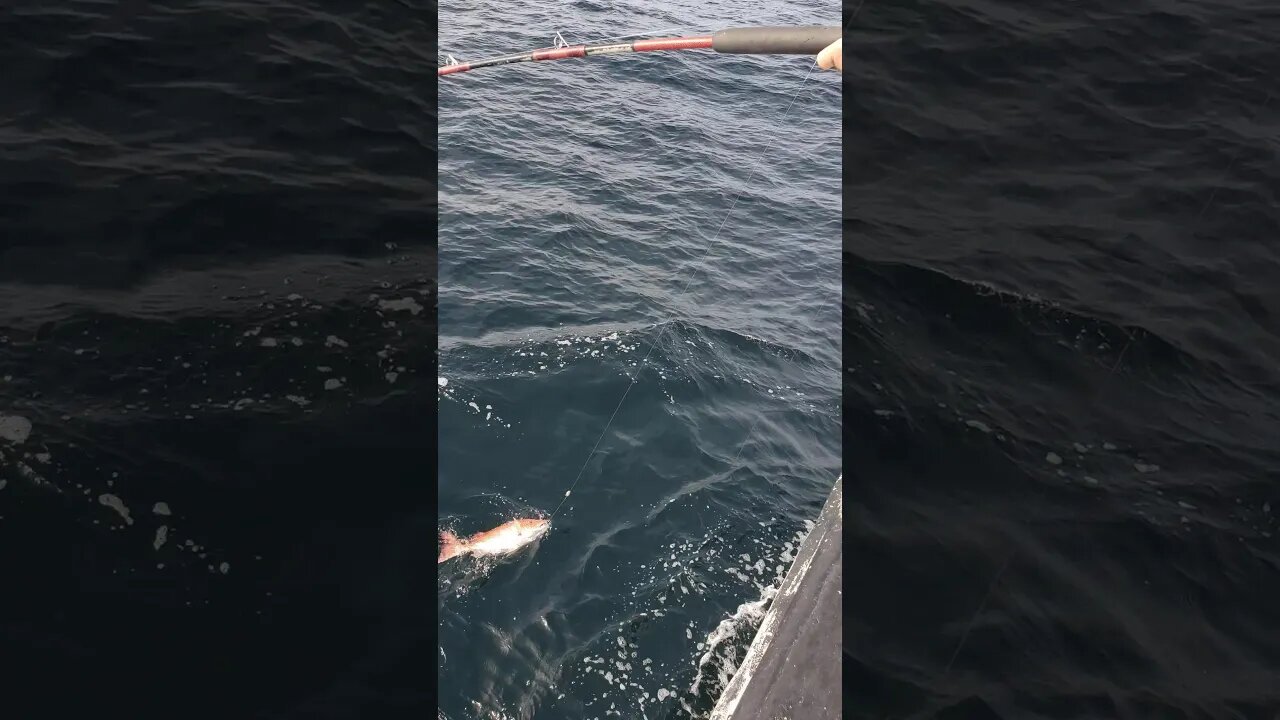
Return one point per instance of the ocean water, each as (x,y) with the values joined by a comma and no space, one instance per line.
(217,317)
(217,366)
(638,255)
(1061,387)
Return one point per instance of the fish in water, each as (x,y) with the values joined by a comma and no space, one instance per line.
(502,540)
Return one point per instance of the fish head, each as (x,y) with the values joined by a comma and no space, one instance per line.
(532,527)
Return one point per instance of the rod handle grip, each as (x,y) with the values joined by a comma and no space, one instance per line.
(783,40)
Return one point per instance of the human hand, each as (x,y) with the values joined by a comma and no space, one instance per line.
(832,56)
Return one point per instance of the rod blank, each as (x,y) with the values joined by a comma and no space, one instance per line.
(785,40)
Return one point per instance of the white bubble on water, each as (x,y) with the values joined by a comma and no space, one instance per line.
(115,503)
(14,428)
(403,305)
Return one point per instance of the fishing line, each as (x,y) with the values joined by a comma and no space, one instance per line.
(754,40)
(666,324)
(981,606)
(702,261)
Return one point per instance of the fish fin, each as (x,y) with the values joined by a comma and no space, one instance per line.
(451,546)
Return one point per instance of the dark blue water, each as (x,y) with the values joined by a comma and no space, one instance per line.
(216,325)
(1062,386)
(660,227)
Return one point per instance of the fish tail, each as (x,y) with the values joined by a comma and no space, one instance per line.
(450,546)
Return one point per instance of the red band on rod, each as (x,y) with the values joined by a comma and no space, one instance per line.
(684,43)
(558,53)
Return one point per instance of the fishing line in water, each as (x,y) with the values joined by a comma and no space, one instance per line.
(757,40)
(702,261)
(689,284)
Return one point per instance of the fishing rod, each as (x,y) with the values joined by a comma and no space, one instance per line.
(775,40)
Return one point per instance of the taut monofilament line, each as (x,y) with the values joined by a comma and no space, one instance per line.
(776,40)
